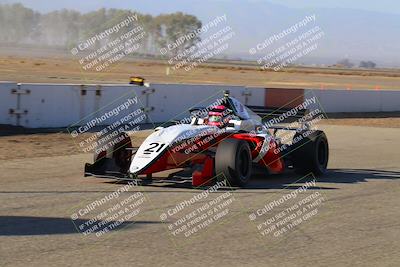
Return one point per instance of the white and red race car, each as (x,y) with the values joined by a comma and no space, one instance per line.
(226,141)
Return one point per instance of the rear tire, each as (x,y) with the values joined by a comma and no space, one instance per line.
(311,153)
(233,161)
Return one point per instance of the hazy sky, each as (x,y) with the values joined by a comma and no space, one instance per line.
(391,6)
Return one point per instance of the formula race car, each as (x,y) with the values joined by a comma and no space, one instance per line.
(225,141)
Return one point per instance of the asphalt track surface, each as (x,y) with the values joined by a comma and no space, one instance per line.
(356,223)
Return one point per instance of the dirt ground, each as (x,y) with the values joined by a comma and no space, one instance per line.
(61,69)
(367,122)
(355,225)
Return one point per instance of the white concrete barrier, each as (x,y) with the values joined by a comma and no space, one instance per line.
(48,105)
(390,101)
(55,105)
(357,100)
(97,100)
(8,103)
(63,105)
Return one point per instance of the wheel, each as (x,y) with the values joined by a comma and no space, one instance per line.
(233,160)
(122,156)
(310,152)
(111,155)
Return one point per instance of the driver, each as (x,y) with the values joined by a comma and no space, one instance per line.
(219,116)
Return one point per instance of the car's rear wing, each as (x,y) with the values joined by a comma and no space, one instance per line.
(285,114)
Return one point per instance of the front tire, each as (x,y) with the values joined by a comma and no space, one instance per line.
(121,155)
(233,161)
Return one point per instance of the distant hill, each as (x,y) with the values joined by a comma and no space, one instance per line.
(349,33)
(354,34)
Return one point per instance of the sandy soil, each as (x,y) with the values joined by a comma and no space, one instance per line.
(20,146)
(61,69)
(367,122)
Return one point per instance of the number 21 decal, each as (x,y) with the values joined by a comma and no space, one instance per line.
(153,146)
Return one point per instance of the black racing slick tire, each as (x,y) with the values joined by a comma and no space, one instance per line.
(111,155)
(233,161)
(121,155)
(310,152)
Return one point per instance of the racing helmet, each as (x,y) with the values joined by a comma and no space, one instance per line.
(218,116)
